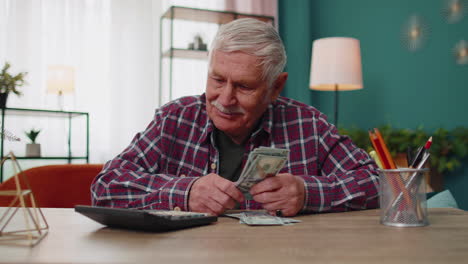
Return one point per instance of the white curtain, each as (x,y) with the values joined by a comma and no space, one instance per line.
(113,46)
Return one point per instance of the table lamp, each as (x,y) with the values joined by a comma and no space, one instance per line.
(60,80)
(336,66)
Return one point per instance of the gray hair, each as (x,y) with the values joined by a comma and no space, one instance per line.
(256,38)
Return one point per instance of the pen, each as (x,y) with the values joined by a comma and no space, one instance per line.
(417,156)
(411,179)
(409,155)
(420,154)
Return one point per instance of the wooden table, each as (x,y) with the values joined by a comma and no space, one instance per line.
(352,237)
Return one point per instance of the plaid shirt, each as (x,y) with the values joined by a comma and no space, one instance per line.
(160,165)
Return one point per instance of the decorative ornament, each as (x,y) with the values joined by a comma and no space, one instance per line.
(453,10)
(415,32)
(7,135)
(197,43)
(461,52)
(22,223)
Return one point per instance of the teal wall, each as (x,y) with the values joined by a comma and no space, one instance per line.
(402,88)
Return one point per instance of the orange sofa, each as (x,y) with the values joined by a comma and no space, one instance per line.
(57,186)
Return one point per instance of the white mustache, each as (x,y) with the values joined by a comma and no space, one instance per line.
(233,110)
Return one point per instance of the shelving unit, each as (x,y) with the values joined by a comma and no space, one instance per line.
(169,52)
(46,114)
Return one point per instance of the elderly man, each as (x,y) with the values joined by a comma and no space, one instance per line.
(194,149)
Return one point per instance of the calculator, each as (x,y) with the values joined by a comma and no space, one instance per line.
(145,220)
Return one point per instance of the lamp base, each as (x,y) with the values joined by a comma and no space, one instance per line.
(60,100)
(336,105)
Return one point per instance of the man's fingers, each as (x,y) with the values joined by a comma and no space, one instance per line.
(283,192)
(230,189)
(205,194)
(223,199)
(267,197)
(204,209)
(280,205)
(273,206)
(267,185)
(284,212)
(209,205)
(214,205)
(199,206)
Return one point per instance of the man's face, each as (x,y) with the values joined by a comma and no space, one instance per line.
(236,95)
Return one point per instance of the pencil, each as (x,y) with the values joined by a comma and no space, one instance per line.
(376,158)
(378,149)
(384,163)
(389,164)
(385,149)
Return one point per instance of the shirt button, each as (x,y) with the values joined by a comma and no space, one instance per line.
(183,175)
(177,208)
(213,166)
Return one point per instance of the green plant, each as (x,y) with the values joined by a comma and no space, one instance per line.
(452,147)
(32,135)
(9,82)
(448,148)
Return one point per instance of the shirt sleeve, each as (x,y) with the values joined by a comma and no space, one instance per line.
(348,177)
(133,179)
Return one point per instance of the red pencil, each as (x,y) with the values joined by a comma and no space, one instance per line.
(428,143)
(378,149)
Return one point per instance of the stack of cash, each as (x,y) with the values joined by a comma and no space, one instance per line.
(263,162)
(261,218)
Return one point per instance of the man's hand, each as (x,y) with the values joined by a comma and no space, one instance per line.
(213,194)
(283,192)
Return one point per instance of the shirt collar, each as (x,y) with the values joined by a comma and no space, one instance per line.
(267,118)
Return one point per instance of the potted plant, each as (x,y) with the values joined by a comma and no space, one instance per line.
(449,148)
(9,83)
(33,149)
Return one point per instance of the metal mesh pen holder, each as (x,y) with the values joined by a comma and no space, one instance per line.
(403,197)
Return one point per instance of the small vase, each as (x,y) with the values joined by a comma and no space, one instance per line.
(33,150)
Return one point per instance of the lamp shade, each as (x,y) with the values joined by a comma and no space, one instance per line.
(336,64)
(60,79)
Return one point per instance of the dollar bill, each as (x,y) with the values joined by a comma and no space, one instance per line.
(262,162)
(257,218)
(261,218)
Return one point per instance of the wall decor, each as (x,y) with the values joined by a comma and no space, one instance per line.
(453,10)
(461,52)
(415,33)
